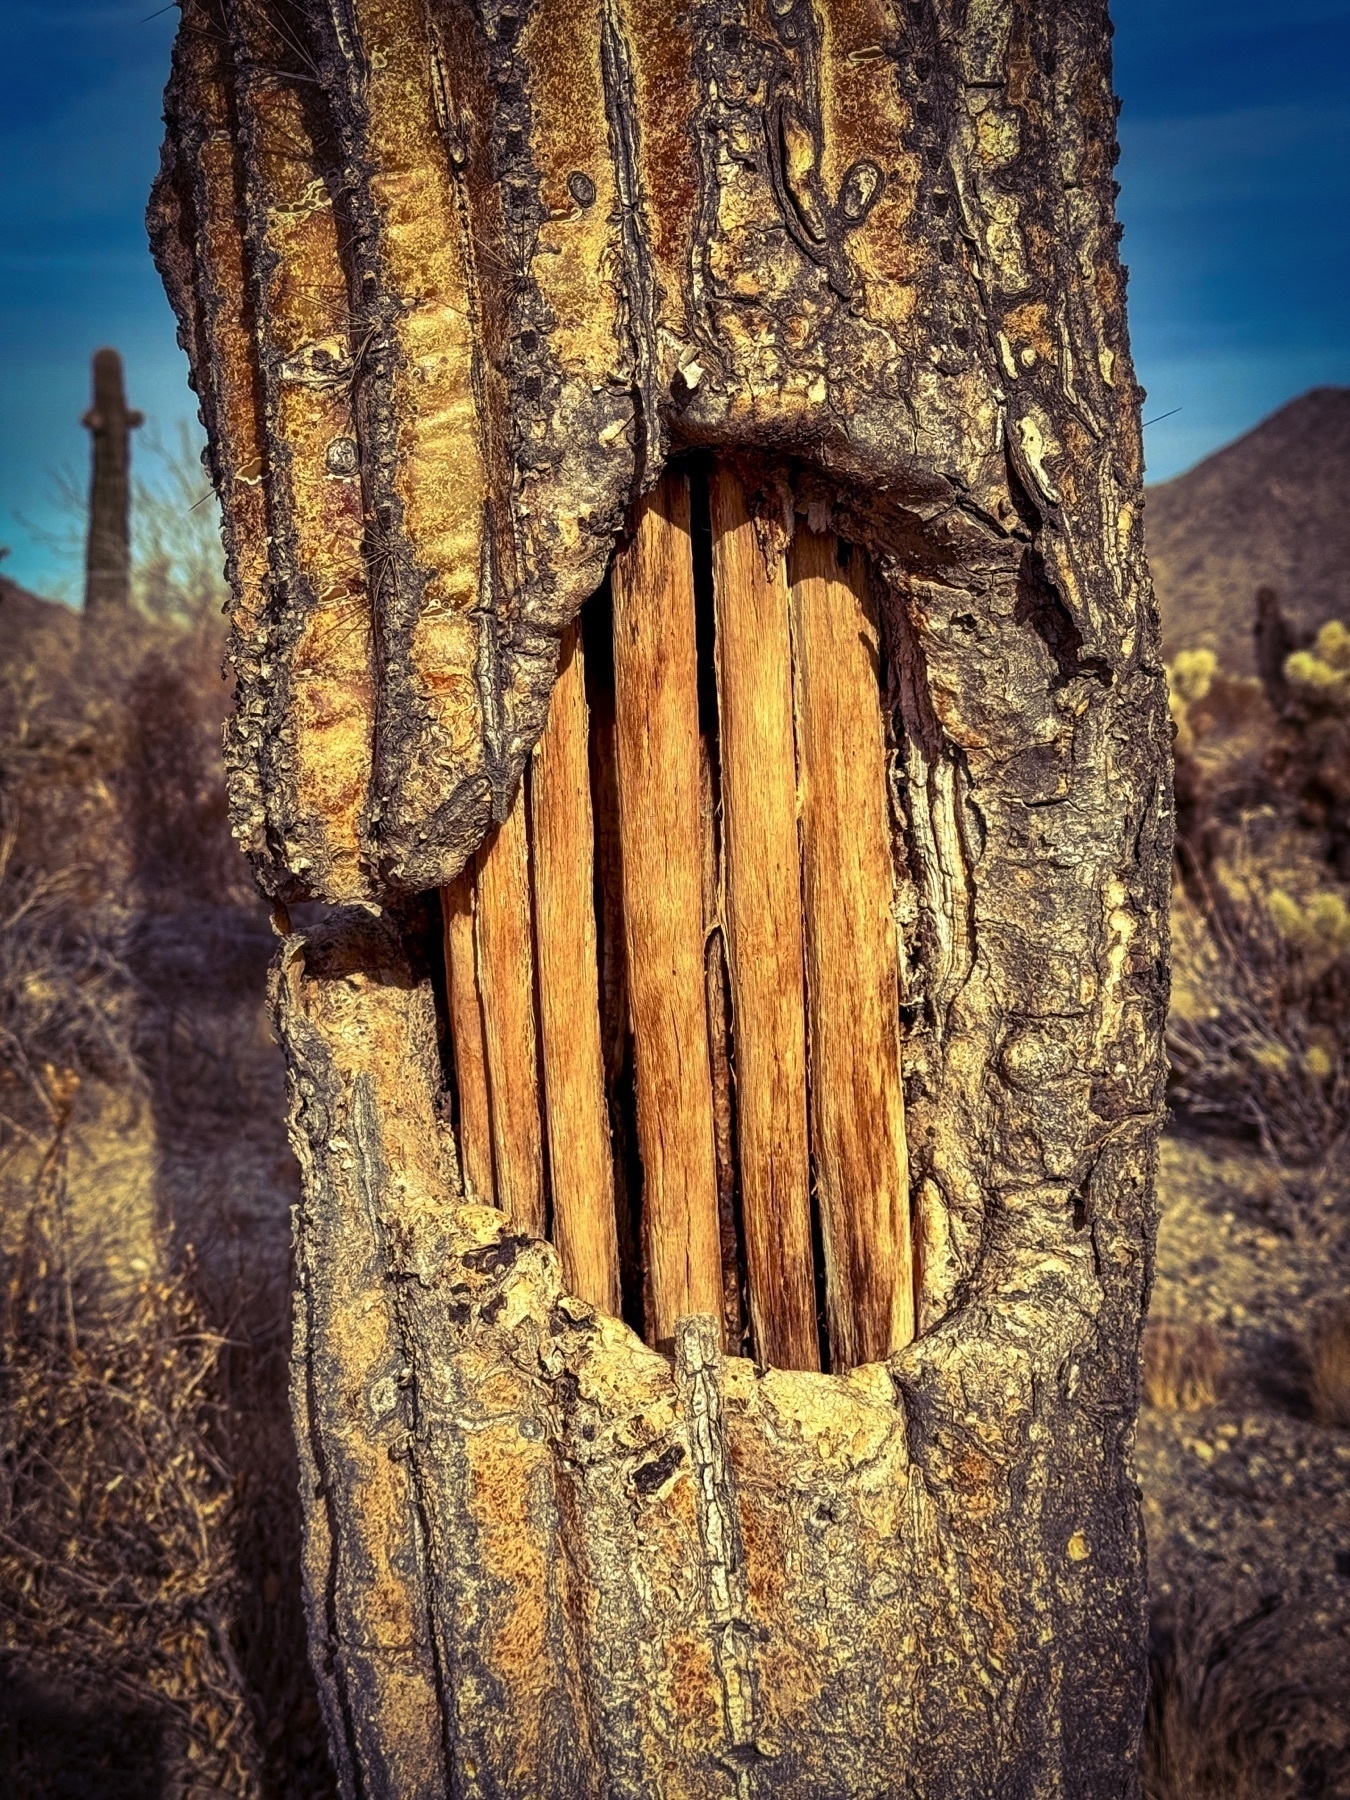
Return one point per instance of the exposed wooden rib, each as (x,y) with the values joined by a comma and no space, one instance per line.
(581,1160)
(615,1036)
(857,1101)
(504,941)
(764,930)
(719,1056)
(466,1039)
(656,700)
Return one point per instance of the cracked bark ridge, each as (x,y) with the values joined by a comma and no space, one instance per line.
(456,279)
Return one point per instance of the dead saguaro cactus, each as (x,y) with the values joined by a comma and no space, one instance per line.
(682,494)
(107,560)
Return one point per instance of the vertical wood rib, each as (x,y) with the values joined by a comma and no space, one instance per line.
(614,1023)
(581,1162)
(719,1056)
(466,1039)
(857,1101)
(656,702)
(764,929)
(504,941)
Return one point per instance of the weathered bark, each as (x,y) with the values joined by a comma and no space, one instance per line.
(458,279)
(107,556)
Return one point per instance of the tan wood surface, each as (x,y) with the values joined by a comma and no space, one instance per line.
(862,1178)
(506,982)
(614,1022)
(466,1038)
(656,703)
(581,1163)
(764,929)
(717,987)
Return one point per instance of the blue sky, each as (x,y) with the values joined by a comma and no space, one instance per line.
(1235,195)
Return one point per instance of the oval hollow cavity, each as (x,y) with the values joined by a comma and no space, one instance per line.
(673,975)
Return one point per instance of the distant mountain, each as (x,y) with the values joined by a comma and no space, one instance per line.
(1271,509)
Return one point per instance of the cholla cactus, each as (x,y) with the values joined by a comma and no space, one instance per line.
(1322,673)
(1319,715)
(1318,928)
(1190,676)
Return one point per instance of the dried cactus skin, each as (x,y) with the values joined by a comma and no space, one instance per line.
(830,234)
(866,251)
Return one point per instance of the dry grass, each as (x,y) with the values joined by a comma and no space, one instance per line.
(1231,1716)
(1329,1369)
(116,1577)
(1183,1367)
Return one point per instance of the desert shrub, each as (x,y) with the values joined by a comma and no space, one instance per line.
(62,989)
(1329,1368)
(1183,1366)
(178,571)
(1229,1716)
(1260,1034)
(171,784)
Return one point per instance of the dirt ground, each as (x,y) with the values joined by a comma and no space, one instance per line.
(1247,1501)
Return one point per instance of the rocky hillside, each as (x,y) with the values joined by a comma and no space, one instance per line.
(1271,509)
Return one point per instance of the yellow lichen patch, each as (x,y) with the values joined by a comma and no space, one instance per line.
(622,1375)
(331,709)
(863,124)
(1003,241)
(508,1476)
(997,136)
(1028,329)
(825,1562)
(839,1427)
(1120,927)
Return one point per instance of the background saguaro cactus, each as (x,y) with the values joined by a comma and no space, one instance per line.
(110,421)
(459,282)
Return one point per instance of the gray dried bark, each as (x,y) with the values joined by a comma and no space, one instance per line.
(456,281)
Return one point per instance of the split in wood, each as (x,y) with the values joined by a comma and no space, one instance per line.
(747,870)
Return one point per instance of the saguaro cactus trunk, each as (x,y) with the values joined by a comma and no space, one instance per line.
(110,423)
(727,1129)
